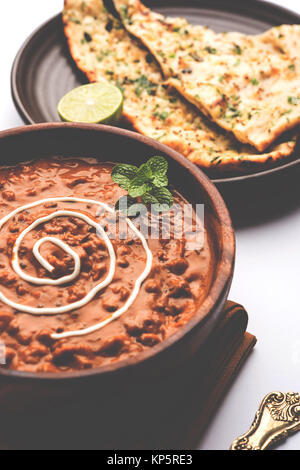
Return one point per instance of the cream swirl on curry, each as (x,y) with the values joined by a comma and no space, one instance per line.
(76,258)
(75,293)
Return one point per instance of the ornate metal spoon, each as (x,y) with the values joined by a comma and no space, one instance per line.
(278,417)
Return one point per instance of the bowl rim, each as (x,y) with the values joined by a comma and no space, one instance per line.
(224,267)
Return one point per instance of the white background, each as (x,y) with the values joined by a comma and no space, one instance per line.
(267,270)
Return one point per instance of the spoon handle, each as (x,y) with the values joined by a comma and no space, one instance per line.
(278,417)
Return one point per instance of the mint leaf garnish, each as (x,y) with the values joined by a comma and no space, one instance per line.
(160,181)
(123,174)
(140,184)
(158,165)
(164,199)
(146,185)
(161,199)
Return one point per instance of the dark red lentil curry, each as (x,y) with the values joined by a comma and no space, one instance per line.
(170,296)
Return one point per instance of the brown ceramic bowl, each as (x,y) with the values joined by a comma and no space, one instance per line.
(114,144)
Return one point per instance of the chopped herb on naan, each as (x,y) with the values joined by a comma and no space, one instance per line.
(104,51)
(248,85)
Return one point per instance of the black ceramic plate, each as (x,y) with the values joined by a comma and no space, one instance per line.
(43,70)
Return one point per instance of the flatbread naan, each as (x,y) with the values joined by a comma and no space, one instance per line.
(104,51)
(249,85)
